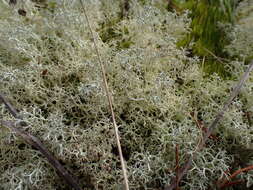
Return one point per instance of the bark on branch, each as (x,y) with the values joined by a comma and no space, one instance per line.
(35,142)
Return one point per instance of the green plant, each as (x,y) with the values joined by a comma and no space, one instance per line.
(208,35)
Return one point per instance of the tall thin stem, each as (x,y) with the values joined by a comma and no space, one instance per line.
(109,97)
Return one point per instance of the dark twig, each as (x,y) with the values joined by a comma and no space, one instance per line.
(234,93)
(213,125)
(35,142)
(200,125)
(248,115)
(181,172)
(11,109)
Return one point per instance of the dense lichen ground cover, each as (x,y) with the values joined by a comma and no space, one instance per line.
(50,72)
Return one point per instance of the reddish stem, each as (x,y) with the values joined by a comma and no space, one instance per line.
(227,183)
(231,183)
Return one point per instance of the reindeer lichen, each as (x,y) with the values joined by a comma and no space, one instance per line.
(50,72)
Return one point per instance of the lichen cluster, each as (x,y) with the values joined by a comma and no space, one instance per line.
(50,72)
(241,35)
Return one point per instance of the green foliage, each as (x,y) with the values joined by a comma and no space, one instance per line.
(208,34)
(50,72)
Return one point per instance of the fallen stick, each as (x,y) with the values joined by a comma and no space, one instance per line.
(35,142)
(213,125)
(9,107)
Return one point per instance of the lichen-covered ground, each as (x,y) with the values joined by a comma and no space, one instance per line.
(50,72)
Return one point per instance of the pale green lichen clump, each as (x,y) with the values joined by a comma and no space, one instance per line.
(242,35)
(50,72)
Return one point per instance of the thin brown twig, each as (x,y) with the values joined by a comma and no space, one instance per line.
(229,184)
(237,172)
(109,98)
(213,125)
(181,173)
(35,142)
(248,115)
(200,125)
